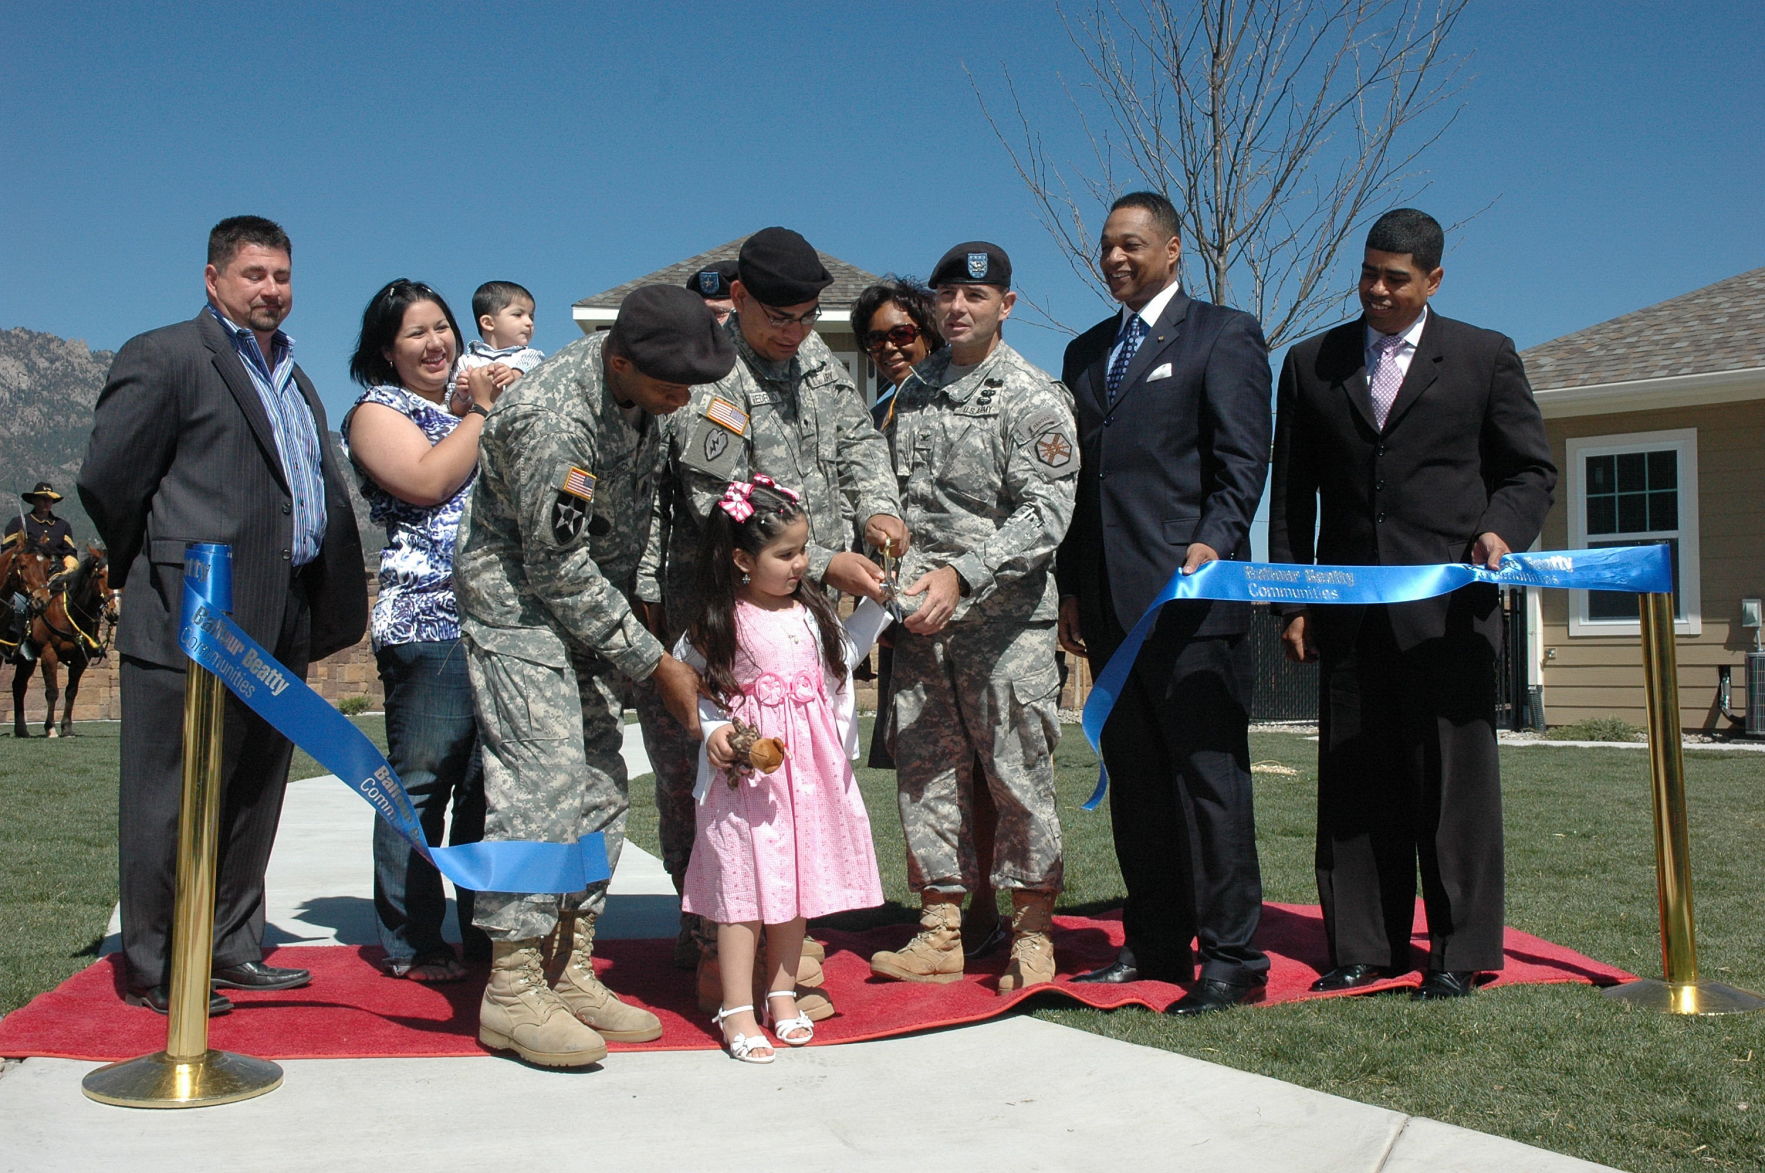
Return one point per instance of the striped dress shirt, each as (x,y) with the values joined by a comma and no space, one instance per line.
(297,437)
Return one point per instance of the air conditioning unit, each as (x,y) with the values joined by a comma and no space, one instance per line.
(1756,694)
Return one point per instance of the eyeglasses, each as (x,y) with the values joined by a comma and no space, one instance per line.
(784,321)
(900,336)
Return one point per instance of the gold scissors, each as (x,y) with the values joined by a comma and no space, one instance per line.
(891,587)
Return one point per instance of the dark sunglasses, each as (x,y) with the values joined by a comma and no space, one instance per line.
(901,336)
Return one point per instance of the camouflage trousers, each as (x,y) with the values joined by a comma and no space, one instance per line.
(674,755)
(552,773)
(978,697)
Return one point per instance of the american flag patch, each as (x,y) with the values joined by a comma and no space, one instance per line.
(578,482)
(723,412)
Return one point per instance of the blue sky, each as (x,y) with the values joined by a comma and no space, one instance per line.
(574,146)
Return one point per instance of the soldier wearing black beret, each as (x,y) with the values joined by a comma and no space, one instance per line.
(713,284)
(787,409)
(544,577)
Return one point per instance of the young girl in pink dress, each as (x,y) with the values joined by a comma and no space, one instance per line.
(775,848)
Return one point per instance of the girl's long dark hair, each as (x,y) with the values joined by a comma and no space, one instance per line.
(712,630)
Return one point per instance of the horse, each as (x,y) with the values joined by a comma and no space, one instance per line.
(74,627)
(22,572)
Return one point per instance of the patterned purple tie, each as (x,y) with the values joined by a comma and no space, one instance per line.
(1128,341)
(1387,378)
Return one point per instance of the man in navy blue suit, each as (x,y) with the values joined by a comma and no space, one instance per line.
(1172,398)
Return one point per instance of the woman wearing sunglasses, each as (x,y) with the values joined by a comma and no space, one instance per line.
(893,322)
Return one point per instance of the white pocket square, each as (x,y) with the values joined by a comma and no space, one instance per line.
(1162,371)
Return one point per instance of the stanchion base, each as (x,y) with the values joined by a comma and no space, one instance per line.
(159,1081)
(1698,997)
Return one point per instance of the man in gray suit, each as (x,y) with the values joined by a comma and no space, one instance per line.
(206,431)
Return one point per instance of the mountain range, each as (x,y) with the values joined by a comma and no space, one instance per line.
(48,387)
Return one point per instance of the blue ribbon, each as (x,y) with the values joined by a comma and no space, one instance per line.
(1643,569)
(211,639)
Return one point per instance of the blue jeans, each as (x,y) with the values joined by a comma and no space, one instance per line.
(432,741)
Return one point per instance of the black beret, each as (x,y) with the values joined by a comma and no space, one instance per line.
(712,280)
(779,267)
(973,262)
(669,334)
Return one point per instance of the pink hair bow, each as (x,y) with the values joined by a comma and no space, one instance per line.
(737,496)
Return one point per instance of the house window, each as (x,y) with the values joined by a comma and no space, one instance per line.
(1635,490)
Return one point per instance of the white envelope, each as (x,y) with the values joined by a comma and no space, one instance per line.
(1162,371)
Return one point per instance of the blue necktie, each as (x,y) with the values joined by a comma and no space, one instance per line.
(1128,342)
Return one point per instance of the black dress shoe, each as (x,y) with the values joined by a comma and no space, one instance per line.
(159,1000)
(1445,983)
(1119,971)
(1351,977)
(1211,994)
(255,975)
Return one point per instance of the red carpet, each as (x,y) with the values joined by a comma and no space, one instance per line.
(352,1011)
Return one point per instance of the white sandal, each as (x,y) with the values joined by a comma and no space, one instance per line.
(742,1047)
(782,1028)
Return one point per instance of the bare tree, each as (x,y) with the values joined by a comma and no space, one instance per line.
(1277,127)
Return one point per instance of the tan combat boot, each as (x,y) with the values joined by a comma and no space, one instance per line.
(590,1001)
(1032,948)
(935,953)
(520,1013)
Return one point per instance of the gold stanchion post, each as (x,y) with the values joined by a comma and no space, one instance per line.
(1681,991)
(187,1074)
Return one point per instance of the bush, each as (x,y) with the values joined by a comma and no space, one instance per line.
(1597,729)
(351,706)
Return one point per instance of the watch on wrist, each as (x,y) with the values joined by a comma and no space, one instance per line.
(478,409)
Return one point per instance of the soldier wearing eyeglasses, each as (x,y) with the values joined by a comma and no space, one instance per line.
(789,410)
(987,467)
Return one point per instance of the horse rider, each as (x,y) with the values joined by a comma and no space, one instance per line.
(36,532)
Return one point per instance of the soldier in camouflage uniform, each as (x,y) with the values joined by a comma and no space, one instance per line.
(788,409)
(547,561)
(983,448)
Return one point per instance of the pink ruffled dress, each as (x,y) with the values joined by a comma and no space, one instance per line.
(795,842)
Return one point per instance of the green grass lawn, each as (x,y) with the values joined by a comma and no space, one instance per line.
(1557,1066)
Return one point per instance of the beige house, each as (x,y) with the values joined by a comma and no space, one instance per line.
(834,325)
(1657,422)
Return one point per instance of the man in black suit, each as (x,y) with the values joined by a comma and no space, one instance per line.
(206,431)
(1419,438)
(1172,399)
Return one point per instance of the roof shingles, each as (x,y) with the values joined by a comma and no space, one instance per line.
(848,279)
(1720,327)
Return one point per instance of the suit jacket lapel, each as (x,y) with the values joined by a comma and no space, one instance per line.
(1424,368)
(238,380)
(1163,336)
(1348,361)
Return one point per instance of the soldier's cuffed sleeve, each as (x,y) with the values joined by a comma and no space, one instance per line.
(546,464)
(648,586)
(1041,466)
(866,475)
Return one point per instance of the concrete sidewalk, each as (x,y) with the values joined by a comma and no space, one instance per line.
(1013,1094)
